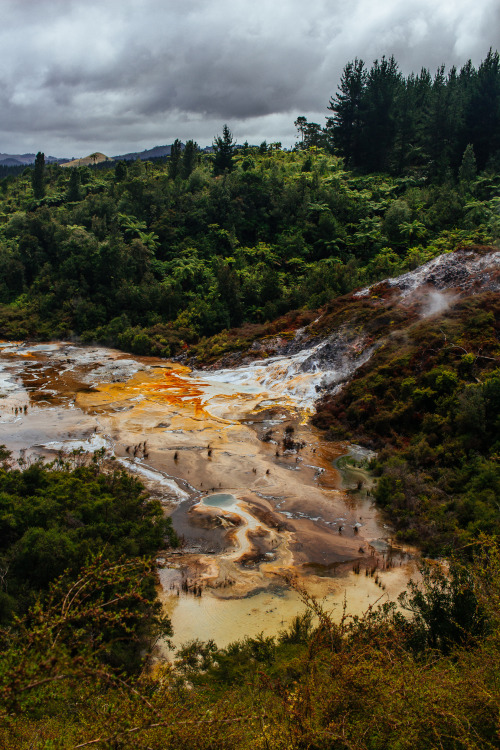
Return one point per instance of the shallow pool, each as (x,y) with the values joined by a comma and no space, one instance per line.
(221,500)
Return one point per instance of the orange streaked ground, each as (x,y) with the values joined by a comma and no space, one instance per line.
(208,436)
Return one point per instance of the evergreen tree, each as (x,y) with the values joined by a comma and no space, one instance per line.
(483,111)
(38,177)
(468,168)
(120,171)
(457,104)
(383,87)
(74,185)
(230,293)
(440,129)
(384,122)
(224,152)
(189,158)
(409,115)
(300,123)
(346,107)
(174,165)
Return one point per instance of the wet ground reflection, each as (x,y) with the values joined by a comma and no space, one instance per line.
(193,436)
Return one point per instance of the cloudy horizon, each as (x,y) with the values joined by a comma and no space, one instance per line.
(126,75)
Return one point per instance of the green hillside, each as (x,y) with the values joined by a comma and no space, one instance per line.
(154,257)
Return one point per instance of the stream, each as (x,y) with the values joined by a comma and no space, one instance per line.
(251,486)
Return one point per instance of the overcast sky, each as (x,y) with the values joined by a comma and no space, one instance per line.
(122,75)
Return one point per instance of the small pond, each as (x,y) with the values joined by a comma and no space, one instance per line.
(221,500)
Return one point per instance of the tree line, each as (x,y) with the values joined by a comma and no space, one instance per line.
(383,121)
(153,257)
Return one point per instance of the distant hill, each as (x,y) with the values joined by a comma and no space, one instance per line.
(151,153)
(17,160)
(96,158)
(10,161)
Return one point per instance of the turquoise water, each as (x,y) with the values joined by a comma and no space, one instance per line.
(220,501)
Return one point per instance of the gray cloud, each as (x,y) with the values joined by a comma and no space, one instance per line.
(81,75)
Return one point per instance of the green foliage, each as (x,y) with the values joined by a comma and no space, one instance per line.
(426,676)
(38,177)
(157,258)
(445,609)
(468,169)
(71,538)
(184,254)
(384,122)
(91,627)
(189,159)
(397,215)
(434,412)
(121,171)
(224,151)
(174,163)
(74,185)
(53,518)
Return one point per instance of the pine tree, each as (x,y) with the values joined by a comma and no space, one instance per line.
(224,151)
(174,165)
(483,111)
(468,168)
(346,107)
(38,176)
(74,185)
(440,125)
(384,85)
(410,108)
(120,171)
(189,158)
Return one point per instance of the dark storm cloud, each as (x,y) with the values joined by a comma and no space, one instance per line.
(81,75)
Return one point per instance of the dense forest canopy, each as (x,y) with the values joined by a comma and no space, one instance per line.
(151,257)
(383,121)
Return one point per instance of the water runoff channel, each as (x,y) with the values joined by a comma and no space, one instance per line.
(252,487)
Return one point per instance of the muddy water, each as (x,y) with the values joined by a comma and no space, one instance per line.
(193,437)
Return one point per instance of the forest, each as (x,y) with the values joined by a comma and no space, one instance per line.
(384,122)
(153,257)
(197,256)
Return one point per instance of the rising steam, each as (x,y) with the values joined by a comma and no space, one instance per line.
(436,303)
